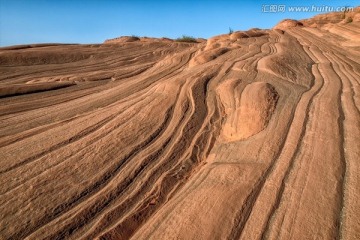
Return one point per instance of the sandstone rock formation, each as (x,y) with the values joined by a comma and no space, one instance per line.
(252,135)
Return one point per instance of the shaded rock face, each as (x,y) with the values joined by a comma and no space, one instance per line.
(207,56)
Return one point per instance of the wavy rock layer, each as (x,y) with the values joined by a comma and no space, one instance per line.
(246,136)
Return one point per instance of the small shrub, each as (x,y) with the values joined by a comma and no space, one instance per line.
(185,38)
(346,10)
(230,31)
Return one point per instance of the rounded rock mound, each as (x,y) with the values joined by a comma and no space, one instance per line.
(123,39)
(251,114)
(288,23)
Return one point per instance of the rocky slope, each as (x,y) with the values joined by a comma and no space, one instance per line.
(252,135)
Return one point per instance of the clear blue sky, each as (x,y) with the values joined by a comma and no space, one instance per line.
(93,21)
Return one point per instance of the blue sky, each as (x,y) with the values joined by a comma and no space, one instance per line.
(93,21)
